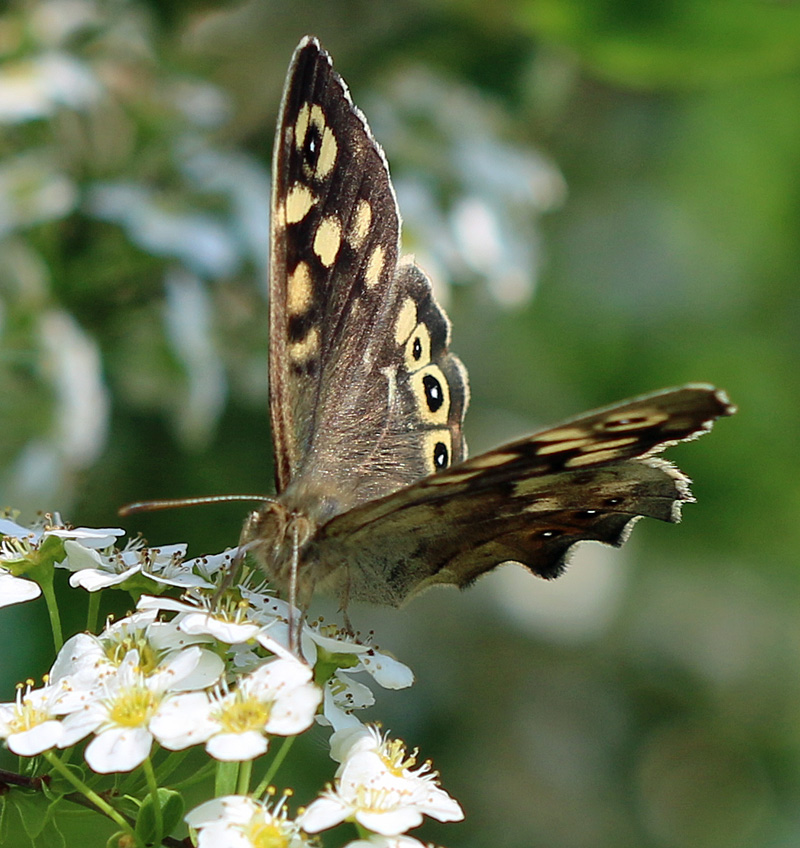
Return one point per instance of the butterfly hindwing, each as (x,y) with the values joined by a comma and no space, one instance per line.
(362,384)
(529,501)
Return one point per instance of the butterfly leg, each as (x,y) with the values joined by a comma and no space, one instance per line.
(345,602)
(295,619)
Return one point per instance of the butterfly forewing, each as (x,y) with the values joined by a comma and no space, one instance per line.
(362,385)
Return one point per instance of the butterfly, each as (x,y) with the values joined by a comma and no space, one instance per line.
(376,499)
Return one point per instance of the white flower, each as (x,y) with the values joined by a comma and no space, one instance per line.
(94,570)
(278,698)
(86,659)
(21,550)
(384,670)
(121,711)
(237,821)
(36,88)
(378,841)
(229,620)
(342,696)
(29,724)
(377,788)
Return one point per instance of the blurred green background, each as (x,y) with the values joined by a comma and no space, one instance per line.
(607,194)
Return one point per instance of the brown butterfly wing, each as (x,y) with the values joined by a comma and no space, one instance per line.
(529,501)
(365,397)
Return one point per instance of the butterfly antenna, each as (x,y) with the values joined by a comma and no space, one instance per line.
(176,503)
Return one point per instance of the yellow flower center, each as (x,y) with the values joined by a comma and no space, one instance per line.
(395,757)
(239,716)
(266,834)
(26,716)
(148,658)
(134,707)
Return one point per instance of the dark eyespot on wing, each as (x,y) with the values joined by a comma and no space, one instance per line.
(441,455)
(433,392)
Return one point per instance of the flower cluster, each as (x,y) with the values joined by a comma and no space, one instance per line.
(216,666)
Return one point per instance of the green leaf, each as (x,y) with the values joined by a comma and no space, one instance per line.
(171,811)
(34,823)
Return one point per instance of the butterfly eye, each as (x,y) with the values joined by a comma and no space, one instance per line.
(433,392)
(441,456)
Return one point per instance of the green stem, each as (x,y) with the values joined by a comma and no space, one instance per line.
(152,785)
(274,766)
(99,802)
(245,770)
(93,612)
(172,762)
(52,609)
(226,778)
(200,775)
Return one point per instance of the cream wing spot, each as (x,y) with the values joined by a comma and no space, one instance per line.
(301,126)
(491,460)
(298,203)
(328,240)
(406,321)
(596,447)
(327,154)
(306,348)
(374,266)
(562,434)
(620,422)
(566,445)
(359,224)
(418,349)
(598,456)
(299,290)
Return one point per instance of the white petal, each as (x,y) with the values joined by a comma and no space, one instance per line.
(437,804)
(17,531)
(322,814)
(338,645)
(378,841)
(94,580)
(16,590)
(232,747)
(223,835)
(80,557)
(79,724)
(235,809)
(350,739)
(90,537)
(391,822)
(387,671)
(182,720)
(206,673)
(293,713)
(118,749)
(31,742)
(226,631)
